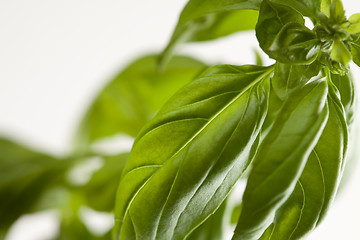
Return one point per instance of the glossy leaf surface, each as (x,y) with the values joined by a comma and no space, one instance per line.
(319,181)
(282,35)
(282,157)
(171,182)
(134,96)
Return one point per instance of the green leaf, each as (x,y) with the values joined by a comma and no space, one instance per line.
(288,77)
(354,26)
(283,36)
(171,182)
(355,52)
(100,191)
(282,157)
(325,7)
(133,97)
(24,176)
(308,8)
(295,44)
(345,85)
(319,181)
(213,228)
(203,20)
(340,53)
(337,12)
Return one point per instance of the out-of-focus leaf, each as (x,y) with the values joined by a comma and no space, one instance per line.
(133,97)
(24,176)
(354,26)
(100,191)
(281,157)
(337,12)
(210,19)
(171,183)
(213,228)
(73,229)
(319,181)
(355,52)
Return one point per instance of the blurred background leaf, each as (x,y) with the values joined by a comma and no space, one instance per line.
(134,96)
(24,176)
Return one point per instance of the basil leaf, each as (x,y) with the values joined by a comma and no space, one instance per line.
(24,176)
(288,77)
(282,157)
(132,97)
(355,52)
(171,183)
(272,18)
(340,52)
(354,26)
(74,228)
(345,85)
(294,44)
(100,191)
(308,8)
(203,20)
(319,181)
(337,12)
(213,227)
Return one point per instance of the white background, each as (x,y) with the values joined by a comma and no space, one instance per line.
(55,55)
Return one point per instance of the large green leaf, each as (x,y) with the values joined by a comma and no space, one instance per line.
(283,36)
(282,157)
(133,97)
(319,181)
(171,182)
(210,19)
(24,176)
(100,191)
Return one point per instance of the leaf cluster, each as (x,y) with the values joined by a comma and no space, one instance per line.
(285,128)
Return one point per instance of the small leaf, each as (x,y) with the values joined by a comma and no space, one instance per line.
(283,36)
(133,97)
(203,20)
(354,26)
(171,183)
(24,177)
(340,52)
(295,44)
(100,191)
(282,157)
(337,12)
(325,7)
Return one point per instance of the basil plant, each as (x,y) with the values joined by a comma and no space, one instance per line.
(285,128)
